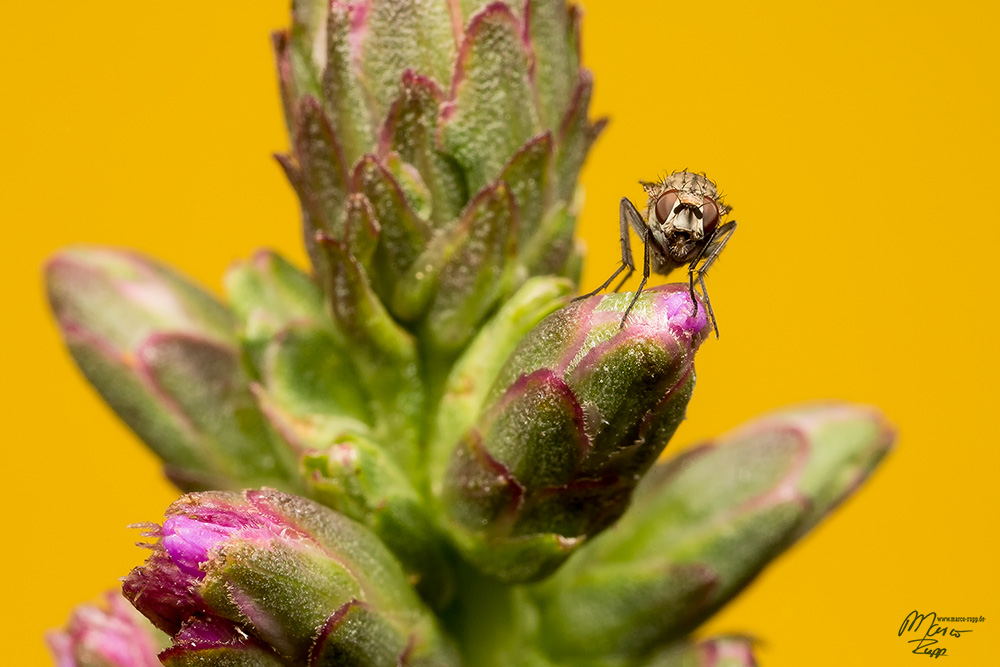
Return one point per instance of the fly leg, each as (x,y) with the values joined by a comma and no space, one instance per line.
(708,304)
(625,211)
(699,267)
(645,276)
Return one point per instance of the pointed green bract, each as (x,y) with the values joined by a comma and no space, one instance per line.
(491,112)
(404,34)
(267,293)
(527,178)
(402,234)
(576,135)
(323,168)
(553,30)
(361,230)
(346,100)
(409,130)
(550,250)
(475,276)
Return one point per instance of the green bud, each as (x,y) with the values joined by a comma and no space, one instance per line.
(577,415)
(164,355)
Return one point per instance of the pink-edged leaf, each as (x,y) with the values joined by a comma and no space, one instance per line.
(402,35)
(491,111)
(576,135)
(409,130)
(361,229)
(402,235)
(322,167)
(477,275)
(552,31)
(527,176)
(347,103)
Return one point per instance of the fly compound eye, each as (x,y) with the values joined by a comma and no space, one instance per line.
(710,216)
(665,205)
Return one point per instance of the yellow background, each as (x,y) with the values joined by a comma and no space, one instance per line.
(857,142)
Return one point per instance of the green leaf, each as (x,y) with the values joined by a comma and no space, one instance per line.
(409,130)
(346,101)
(305,44)
(553,30)
(411,183)
(477,274)
(404,34)
(402,234)
(322,167)
(267,293)
(491,112)
(313,378)
(550,247)
(576,135)
(207,384)
(622,610)
(361,229)
(527,177)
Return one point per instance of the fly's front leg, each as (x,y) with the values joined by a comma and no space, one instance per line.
(625,210)
(708,305)
(645,276)
(701,264)
(691,287)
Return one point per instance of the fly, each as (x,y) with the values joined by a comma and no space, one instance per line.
(681,227)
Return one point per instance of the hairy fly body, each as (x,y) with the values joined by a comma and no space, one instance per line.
(681,227)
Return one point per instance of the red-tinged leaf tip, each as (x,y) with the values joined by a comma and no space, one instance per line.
(356,12)
(455,12)
(578,104)
(412,85)
(493,12)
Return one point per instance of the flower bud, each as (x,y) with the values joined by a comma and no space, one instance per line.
(297,579)
(578,414)
(113,635)
(163,354)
